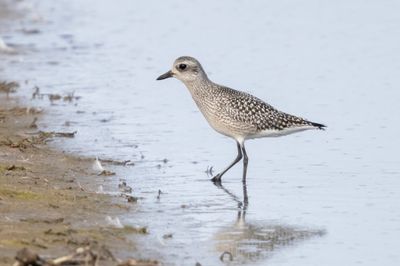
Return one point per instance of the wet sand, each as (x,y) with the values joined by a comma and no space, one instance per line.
(47,198)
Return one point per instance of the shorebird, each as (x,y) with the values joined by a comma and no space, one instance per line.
(234,113)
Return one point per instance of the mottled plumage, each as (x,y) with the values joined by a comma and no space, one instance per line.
(248,114)
(234,113)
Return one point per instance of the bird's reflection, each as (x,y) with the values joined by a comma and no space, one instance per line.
(248,242)
(242,203)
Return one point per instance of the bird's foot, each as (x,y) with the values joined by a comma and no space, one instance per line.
(217,178)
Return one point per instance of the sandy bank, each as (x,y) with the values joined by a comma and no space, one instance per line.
(47,198)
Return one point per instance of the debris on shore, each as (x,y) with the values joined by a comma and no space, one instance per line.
(53,97)
(88,255)
(8,87)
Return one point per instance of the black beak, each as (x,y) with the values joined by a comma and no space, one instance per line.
(165,75)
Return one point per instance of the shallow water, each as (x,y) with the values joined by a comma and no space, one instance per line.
(315,198)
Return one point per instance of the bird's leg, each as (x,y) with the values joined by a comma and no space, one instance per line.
(245,162)
(217,178)
(245,197)
(244,205)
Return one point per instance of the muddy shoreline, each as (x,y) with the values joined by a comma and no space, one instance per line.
(47,198)
(50,201)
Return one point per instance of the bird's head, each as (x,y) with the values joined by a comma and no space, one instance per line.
(187,69)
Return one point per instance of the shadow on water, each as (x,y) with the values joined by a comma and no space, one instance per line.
(249,242)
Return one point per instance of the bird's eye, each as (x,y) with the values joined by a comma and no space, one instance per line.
(182,66)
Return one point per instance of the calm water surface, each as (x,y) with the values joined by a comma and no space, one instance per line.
(315,198)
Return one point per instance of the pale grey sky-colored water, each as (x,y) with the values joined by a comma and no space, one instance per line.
(333,62)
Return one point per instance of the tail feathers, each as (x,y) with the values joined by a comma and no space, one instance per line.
(317,125)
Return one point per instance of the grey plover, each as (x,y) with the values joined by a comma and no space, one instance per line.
(233,113)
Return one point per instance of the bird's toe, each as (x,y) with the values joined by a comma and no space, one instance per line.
(217,178)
